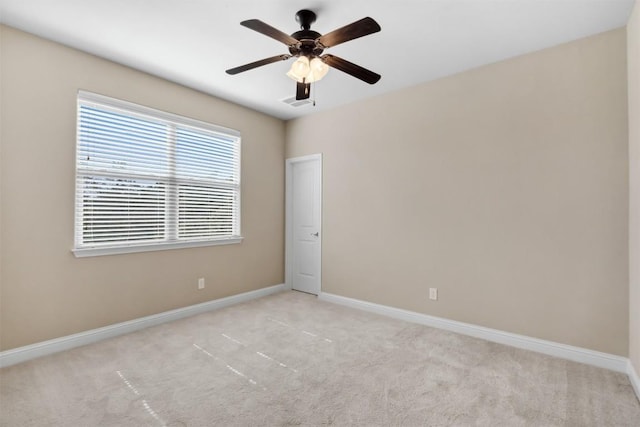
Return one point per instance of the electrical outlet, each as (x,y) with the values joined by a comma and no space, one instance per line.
(433,293)
(201,283)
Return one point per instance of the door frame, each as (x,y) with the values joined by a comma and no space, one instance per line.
(288,267)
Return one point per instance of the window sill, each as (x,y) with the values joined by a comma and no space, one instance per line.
(100,251)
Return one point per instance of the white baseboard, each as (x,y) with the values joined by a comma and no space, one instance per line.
(22,354)
(634,378)
(576,354)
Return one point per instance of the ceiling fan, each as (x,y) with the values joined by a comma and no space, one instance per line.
(308,45)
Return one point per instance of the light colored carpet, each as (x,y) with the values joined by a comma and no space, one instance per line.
(289,359)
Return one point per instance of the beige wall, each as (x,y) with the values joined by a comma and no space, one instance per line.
(46,292)
(633,74)
(505,187)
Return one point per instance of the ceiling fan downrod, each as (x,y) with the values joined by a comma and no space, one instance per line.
(305,18)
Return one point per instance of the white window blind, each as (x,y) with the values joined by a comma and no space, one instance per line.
(148,180)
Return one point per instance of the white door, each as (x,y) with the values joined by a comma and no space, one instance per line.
(303,223)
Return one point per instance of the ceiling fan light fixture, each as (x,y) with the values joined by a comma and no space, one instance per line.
(305,71)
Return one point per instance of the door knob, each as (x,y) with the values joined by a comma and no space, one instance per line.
(315,234)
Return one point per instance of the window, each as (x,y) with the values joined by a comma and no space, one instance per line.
(150,180)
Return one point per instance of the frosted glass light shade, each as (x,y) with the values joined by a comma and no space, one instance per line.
(305,71)
(299,69)
(318,68)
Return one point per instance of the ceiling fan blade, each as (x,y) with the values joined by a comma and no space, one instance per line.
(257,64)
(268,30)
(351,69)
(303,91)
(357,29)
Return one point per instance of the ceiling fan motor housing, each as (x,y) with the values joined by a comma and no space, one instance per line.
(308,45)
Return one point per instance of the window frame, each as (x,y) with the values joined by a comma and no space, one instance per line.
(87,250)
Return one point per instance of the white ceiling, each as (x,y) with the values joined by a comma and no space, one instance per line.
(193,42)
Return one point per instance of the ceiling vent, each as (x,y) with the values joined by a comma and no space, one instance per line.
(297,102)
